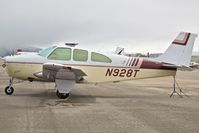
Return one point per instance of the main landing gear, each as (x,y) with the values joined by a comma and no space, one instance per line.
(62,95)
(9,89)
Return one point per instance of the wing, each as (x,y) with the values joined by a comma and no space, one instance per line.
(64,76)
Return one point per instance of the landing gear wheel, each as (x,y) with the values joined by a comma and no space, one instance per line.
(62,95)
(4,65)
(9,90)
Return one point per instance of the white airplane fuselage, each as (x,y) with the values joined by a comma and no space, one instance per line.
(120,69)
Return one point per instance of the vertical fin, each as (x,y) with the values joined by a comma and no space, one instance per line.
(180,51)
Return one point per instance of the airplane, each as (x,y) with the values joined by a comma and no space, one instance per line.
(24,53)
(68,64)
(14,50)
(194,65)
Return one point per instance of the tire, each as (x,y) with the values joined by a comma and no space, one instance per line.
(9,90)
(62,95)
(4,65)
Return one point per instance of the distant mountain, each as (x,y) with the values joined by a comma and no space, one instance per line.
(12,51)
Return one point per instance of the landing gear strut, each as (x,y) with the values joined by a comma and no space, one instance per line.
(9,89)
(62,95)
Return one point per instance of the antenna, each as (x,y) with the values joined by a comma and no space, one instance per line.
(71,44)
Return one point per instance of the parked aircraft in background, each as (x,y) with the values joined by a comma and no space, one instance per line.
(194,65)
(68,64)
(14,50)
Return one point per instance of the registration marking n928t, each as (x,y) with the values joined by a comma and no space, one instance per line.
(121,72)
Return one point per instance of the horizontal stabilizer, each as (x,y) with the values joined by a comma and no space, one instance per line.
(178,67)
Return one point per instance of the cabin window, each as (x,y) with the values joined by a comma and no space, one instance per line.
(60,54)
(80,55)
(100,58)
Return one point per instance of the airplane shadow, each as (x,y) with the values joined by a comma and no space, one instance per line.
(50,95)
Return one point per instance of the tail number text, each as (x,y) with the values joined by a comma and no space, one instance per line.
(121,72)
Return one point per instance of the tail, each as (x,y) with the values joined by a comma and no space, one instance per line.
(180,51)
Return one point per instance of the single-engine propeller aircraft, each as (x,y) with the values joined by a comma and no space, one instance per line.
(68,64)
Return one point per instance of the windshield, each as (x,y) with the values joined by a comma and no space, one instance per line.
(47,51)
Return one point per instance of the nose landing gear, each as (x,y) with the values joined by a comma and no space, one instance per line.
(9,89)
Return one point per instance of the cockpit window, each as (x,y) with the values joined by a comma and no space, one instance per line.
(60,54)
(100,58)
(46,52)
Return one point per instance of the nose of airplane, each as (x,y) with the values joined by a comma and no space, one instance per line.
(3,60)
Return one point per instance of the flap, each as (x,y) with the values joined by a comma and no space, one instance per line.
(57,67)
(52,71)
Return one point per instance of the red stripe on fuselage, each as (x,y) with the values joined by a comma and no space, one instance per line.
(146,64)
(183,41)
(137,62)
(133,62)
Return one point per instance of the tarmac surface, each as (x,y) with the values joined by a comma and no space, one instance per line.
(139,106)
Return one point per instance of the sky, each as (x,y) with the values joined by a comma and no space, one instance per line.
(137,25)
